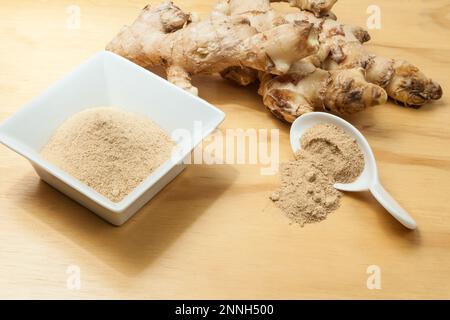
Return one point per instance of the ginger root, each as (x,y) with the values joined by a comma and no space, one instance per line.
(166,36)
(307,88)
(229,7)
(403,81)
(341,50)
(303,60)
(318,7)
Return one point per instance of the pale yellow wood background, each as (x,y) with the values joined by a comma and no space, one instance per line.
(213,233)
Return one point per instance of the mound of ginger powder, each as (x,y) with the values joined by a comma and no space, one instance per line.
(110,150)
(327,155)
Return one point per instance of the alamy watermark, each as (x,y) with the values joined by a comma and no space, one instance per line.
(374,19)
(73,21)
(230,146)
(374,280)
(73,281)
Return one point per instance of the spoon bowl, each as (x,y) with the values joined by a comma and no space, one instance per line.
(368,180)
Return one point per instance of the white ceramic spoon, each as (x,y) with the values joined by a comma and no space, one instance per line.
(368,180)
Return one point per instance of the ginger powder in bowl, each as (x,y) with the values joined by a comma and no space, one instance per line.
(110,150)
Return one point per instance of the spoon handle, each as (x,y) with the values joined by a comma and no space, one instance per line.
(392,206)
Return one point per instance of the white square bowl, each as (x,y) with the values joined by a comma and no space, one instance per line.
(107,79)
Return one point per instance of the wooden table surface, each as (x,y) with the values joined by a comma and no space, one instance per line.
(213,232)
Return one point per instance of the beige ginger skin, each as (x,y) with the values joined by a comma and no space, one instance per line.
(166,36)
(304,60)
(307,88)
(342,62)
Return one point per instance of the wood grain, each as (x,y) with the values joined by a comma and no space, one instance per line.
(213,233)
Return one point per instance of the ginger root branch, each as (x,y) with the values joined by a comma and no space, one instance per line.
(165,36)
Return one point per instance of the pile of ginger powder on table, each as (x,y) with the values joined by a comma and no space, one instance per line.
(327,155)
